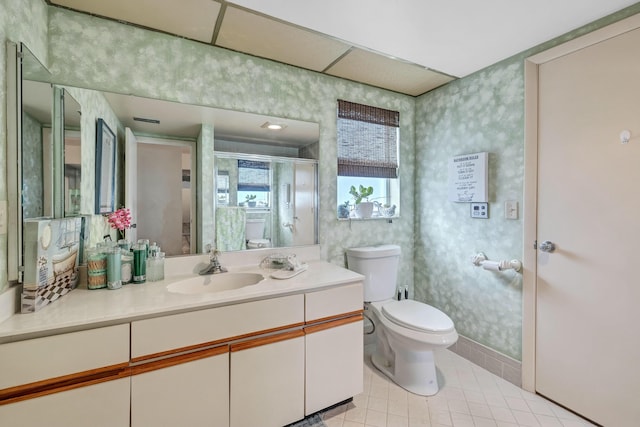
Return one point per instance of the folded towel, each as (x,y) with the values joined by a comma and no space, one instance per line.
(230,228)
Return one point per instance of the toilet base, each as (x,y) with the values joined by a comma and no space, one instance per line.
(414,371)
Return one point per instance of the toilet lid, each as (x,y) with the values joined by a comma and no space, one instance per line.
(258,243)
(416,315)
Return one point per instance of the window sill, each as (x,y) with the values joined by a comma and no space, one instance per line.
(369,219)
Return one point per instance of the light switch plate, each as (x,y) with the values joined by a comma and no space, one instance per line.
(511,209)
(480,210)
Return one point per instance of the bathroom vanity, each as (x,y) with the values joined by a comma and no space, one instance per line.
(266,354)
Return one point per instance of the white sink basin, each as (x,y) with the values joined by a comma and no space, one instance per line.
(214,283)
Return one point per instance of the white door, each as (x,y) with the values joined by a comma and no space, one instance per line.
(588,288)
(131,181)
(304,205)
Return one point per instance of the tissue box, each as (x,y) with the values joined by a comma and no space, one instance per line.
(51,255)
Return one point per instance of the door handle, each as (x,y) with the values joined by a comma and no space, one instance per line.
(547,246)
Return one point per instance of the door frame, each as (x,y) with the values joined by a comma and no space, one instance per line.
(530,205)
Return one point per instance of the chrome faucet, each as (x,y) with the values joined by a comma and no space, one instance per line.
(214,266)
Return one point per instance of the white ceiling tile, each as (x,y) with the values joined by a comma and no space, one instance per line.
(254,34)
(194,19)
(381,71)
(454,37)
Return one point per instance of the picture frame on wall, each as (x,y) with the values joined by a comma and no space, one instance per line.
(105,168)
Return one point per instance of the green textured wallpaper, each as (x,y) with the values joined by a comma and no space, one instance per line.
(484,112)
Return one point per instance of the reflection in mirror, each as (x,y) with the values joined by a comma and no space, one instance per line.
(37,173)
(265,201)
(192,213)
(32,104)
(165,195)
(72,155)
(157,126)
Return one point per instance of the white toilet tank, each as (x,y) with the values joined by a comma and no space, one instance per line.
(379,265)
(254,228)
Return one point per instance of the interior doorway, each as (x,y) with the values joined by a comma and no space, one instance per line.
(579,298)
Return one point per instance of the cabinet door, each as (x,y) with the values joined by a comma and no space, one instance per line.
(29,361)
(334,363)
(194,394)
(267,383)
(101,405)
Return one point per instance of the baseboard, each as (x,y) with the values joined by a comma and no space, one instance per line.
(497,363)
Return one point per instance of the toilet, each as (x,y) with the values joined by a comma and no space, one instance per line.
(407,331)
(254,234)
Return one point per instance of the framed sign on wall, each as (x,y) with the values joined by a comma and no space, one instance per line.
(468,178)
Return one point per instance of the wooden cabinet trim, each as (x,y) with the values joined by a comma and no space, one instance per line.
(333,323)
(179,359)
(64,383)
(222,341)
(244,345)
(335,317)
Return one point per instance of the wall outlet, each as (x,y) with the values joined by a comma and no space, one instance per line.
(3,217)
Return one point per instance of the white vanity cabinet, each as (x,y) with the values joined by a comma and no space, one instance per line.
(264,362)
(72,379)
(333,346)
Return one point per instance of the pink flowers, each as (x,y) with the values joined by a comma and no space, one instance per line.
(120,219)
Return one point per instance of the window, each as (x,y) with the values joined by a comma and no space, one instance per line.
(254,183)
(368,156)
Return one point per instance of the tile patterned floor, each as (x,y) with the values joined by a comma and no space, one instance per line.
(469,396)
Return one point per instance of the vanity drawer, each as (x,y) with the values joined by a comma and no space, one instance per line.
(332,302)
(165,335)
(46,358)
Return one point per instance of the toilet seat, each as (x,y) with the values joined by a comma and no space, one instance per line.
(258,243)
(417,316)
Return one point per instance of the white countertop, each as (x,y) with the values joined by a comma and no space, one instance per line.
(85,309)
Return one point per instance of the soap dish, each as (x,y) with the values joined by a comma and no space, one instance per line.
(288,274)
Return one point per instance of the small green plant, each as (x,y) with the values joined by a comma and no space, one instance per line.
(250,197)
(361,193)
(343,210)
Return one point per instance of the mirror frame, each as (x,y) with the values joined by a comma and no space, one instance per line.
(14,158)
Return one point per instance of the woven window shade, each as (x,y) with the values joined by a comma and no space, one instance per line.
(253,175)
(367,141)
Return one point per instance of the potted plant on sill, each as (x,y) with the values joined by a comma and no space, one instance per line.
(363,209)
(343,210)
(251,200)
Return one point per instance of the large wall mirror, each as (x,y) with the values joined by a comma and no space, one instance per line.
(179,157)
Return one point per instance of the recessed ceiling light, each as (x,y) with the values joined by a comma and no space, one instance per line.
(273,126)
